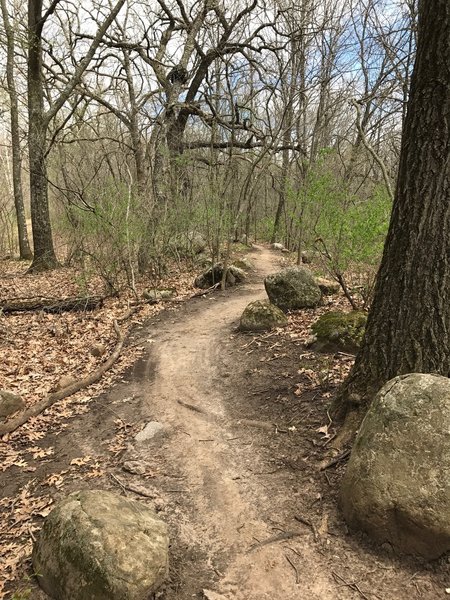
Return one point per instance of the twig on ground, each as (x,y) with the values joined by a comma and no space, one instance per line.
(308,524)
(192,407)
(279,537)
(294,567)
(352,585)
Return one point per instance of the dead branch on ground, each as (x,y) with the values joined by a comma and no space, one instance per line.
(14,423)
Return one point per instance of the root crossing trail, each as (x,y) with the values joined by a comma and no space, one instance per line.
(220,509)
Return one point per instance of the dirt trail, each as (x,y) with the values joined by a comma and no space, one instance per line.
(222,517)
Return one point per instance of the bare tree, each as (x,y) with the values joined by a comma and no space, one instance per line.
(40,119)
(24,245)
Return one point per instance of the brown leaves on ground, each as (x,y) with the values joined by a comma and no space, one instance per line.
(38,351)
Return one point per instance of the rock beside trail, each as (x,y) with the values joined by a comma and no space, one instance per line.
(214,275)
(159,295)
(96,544)
(10,403)
(293,288)
(277,246)
(261,315)
(338,332)
(327,286)
(188,244)
(397,483)
(244,264)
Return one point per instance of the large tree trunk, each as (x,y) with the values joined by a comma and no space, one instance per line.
(24,245)
(408,328)
(44,253)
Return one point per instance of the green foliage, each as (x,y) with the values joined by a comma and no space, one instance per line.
(106,238)
(347,227)
(265,227)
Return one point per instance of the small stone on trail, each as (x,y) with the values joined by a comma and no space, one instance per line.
(150,431)
(135,467)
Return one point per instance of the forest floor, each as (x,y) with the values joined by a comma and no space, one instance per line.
(233,471)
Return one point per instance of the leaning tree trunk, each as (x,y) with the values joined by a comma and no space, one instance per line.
(408,328)
(44,253)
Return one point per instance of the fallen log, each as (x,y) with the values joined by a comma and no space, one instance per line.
(16,421)
(50,305)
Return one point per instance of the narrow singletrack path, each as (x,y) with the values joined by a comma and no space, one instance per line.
(221,513)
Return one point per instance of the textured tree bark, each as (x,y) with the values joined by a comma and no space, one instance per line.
(408,329)
(44,253)
(24,245)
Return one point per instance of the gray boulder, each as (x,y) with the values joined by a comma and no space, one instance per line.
(214,275)
(244,264)
(338,332)
(9,403)
(397,484)
(261,315)
(327,286)
(190,243)
(293,288)
(277,246)
(161,295)
(95,544)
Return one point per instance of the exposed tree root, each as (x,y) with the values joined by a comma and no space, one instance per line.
(35,410)
(344,438)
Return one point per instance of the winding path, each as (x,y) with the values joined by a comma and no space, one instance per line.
(222,515)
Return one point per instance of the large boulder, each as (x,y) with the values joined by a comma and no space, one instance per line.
(261,315)
(397,483)
(96,544)
(9,403)
(243,263)
(338,332)
(214,275)
(188,244)
(293,288)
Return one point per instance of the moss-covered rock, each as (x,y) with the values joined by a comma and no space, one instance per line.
(95,544)
(339,332)
(261,315)
(293,288)
(397,483)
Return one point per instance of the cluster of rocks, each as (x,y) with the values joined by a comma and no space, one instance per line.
(214,275)
(290,289)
